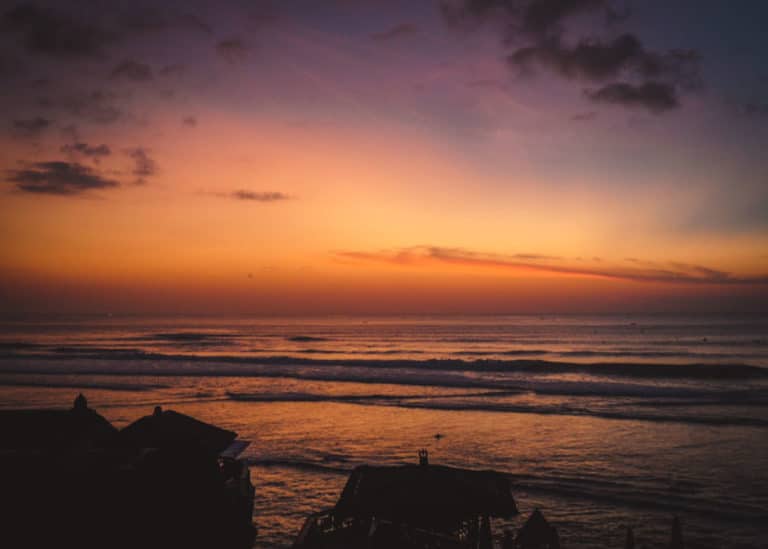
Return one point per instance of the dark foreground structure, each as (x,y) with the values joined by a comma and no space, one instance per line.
(412,506)
(428,507)
(70,479)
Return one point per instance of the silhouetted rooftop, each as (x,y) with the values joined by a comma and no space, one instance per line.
(425,494)
(168,429)
(55,429)
(538,533)
(70,479)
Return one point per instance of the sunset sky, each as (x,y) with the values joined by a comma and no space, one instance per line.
(383,156)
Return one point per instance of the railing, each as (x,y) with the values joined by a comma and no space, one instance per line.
(316,524)
(324,524)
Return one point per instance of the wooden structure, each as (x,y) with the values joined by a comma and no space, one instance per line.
(412,506)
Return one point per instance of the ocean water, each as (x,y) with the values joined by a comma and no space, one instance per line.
(601,421)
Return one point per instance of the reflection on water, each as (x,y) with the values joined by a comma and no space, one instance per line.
(598,448)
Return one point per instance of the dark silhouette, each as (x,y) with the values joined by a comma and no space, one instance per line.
(676,541)
(630,541)
(412,506)
(56,431)
(168,429)
(70,479)
(537,533)
(81,404)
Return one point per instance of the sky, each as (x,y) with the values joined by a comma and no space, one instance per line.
(383,156)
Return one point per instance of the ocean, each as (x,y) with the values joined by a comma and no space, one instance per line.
(603,422)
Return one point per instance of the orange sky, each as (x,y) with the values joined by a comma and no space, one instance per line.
(352,236)
(302,176)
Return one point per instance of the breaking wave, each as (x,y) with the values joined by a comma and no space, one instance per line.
(458,402)
(535,366)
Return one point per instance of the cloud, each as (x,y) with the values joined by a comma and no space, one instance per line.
(589,59)
(268,196)
(540,16)
(656,97)
(98,106)
(152,20)
(640,271)
(58,178)
(132,70)
(595,60)
(144,165)
(53,33)
(530,17)
(83,149)
(31,127)
(398,31)
(705,272)
(189,121)
(537,257)
(536,30)
(233,50)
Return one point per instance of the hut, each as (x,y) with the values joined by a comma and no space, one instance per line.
(167,429)
(71,479)
(189,484)
(412,506)
(80,427)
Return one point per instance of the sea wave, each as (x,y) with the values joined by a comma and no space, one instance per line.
(362,398)
(83,384)
(304,465)
(515,352)
(658,354)
(568,410)
(660,496)
(535,366)
(482,402)
(187,336)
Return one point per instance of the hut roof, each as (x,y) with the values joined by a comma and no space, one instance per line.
(54,429)
(537,532)
(169,429)
(425,495)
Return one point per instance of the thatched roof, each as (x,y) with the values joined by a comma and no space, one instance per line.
(425,495)
(169,429)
